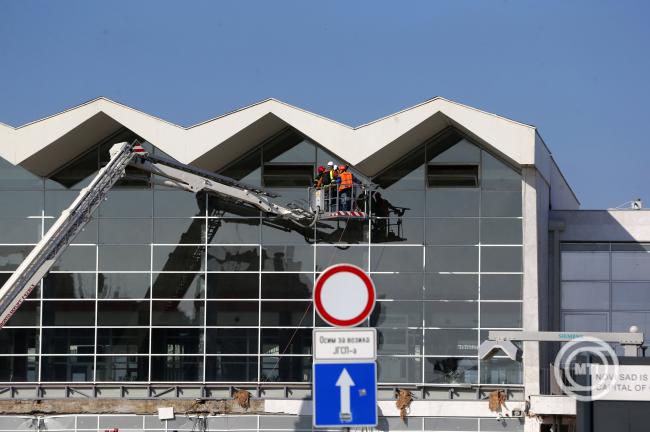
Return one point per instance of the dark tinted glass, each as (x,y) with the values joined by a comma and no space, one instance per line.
(399,341)
(451,370)
(177,368)
(69,285)
(501,371)
(501,231)
(179,231)
(500,203)
(178,204)
(287,258)
(18,341)
(453,202)
(122,313)
(396,258)
(286,286)
(451,342)
(232,313)
(177,313)
(28,314)
(128,203)
(124,231)
(233,258)
(16,177)
(124,258)
(20,230)
(233,285)
(77,174)
(397,314)
(122,368)
(451,287)
(68,313)
(398,286)
(501,259)
(177,341)
(67,368)
(397,230)
(18,369)
(231,368)
(12,256)
(77,258)
(501,287)
(452,231)
(186,286)
(20,204)
(451,314)
(329,255)
(247,169)
(235,230)
(506,315)
(288,175)
(399,369)
(452,259)
(405,174)
(178,258)
(68,341)
(123,285)
(286,313)
(496,175)
(122,341)
(452,175)
(231,341)
(285,369)
(286,341)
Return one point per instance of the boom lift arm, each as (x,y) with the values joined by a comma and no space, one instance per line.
(72,220)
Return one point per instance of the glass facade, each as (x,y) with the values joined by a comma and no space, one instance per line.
(167,286)
(605,287)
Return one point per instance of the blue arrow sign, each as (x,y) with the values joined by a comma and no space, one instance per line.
(345,394)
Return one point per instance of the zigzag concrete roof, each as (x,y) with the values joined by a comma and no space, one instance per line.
(44,145)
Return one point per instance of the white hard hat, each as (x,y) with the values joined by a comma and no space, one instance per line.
(336,167)
(330,163)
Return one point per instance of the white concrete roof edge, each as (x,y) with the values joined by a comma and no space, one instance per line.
(518,141)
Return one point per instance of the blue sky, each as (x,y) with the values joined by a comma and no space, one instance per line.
(579,70)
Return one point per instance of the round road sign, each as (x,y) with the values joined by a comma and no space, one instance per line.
(344,295)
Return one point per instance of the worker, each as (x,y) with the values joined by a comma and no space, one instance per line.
(329,184)
(318,181)
(345,182)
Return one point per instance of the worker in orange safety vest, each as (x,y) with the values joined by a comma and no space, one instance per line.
(345,181)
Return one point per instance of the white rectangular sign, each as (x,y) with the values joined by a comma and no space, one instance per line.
(632,383)
(345,344)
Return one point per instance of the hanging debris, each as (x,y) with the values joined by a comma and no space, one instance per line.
(496,400)
(403,403)
(243,398)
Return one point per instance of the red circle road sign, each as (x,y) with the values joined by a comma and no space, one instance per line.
(344,295)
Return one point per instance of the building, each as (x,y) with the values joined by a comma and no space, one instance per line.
(171,299)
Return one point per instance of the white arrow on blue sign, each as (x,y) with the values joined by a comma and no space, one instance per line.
(345,394)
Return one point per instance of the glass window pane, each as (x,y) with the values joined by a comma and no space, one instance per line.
(68,341)
(122,313)
(286,313)
(290,147)
(501,287)
(501,371)
(124,258)
(177,313)
(501,259)
(582,322)
(179,231)
(18,341)
(439,150)
(451,424)
(16,177)
(631,266)
(631,295)
(232,313)
(231,369)
(396,258)
(67,368)
(69,285)
(122,341)
(399,341)
(399,370)
(127,203)
(451,314)
(398,286)
(585,295)
(286,341)
(12,256)
(177,368)
(123,368)
(451,342)
(235,230)
(285,369)
(28,314)
(22,204)
(123,285)
(451,287)
(89,234)
(231,341)
(500,204)
(327,256)
(281,233)
(247,169)
(622,321)
(76,258)
(178,258)
(233,285)
(501,231)
(453,202)
(20,231)
(177,341)
(125,231)
(233,258)
(19,369)
(446,231)
(451,370)
(406,174)
(412,202)
(398,230)
(287,258)
(178,204)
(501,315)
(68,313)
(496,175)
(397,314)
(57,201)
(451,259)
(585,266)
(287,286)
(186,286)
